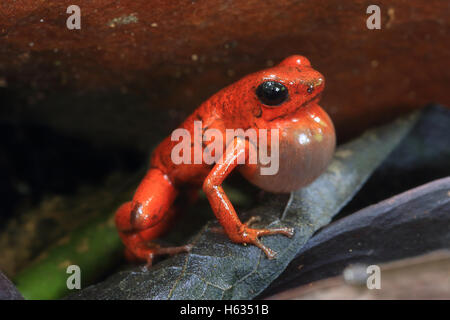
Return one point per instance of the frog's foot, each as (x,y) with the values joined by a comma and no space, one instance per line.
(248,223)
(251,236)
(149,253)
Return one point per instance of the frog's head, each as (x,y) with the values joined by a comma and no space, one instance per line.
(287,87)
(280,91)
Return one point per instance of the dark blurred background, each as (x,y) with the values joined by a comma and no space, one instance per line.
(80,110)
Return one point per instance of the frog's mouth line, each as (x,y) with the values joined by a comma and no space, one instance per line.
(312,100)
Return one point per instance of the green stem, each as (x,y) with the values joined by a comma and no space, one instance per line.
(95,248)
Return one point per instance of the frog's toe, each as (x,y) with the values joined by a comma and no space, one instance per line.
(270,254)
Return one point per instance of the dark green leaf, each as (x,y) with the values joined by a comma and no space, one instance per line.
(412,223)
(219,269)
(423,156)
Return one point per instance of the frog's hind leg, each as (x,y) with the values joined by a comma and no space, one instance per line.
(147,217)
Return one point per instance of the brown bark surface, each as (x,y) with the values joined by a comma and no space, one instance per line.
(180,52)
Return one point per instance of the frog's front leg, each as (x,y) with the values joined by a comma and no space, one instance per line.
(223,209)
(148,216)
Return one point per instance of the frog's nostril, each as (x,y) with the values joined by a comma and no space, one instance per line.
(318,83)
(314,85)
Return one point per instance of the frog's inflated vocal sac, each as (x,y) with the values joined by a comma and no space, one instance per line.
(284,98)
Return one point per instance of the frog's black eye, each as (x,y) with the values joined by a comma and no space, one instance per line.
(272,93)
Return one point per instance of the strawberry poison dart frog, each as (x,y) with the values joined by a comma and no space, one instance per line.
(283,100)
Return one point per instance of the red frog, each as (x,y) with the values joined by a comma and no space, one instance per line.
(284,98)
